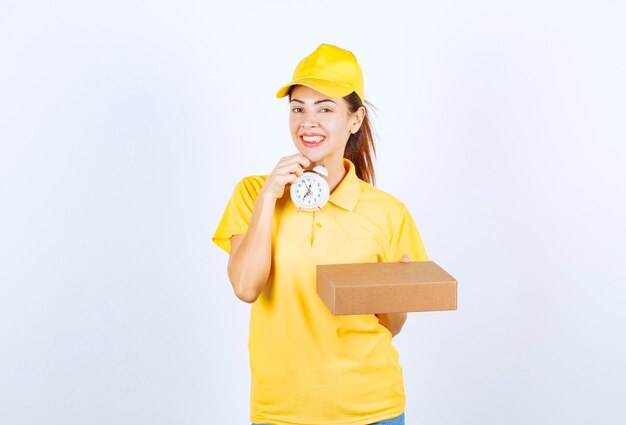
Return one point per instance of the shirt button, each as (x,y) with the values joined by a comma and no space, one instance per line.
(319,224)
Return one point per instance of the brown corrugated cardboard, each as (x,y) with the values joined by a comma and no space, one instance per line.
(371,288)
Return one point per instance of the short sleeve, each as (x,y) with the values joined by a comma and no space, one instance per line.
(406,239)
(236,217)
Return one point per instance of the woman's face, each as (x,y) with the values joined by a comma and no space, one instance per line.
(320,125)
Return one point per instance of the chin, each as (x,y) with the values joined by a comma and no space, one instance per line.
(317,158)
(311,154)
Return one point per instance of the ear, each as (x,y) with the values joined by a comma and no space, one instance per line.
(357,119)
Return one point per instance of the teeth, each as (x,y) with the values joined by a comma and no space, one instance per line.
(313,139)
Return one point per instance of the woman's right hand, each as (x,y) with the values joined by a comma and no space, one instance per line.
(287,170)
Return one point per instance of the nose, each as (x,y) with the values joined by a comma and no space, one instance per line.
(309,121)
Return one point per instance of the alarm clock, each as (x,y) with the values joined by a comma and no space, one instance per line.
(311,191)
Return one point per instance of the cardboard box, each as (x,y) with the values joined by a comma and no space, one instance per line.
(371,288)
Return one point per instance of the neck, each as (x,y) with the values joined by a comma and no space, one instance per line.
(336,173)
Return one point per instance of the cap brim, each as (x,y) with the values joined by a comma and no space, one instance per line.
(327,87)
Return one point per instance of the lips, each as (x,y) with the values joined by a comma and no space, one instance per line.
(312,140)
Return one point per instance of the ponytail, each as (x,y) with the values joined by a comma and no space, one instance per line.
(360,148)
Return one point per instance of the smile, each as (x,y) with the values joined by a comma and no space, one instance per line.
(312,140)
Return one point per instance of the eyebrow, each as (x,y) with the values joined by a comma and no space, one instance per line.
(316,102)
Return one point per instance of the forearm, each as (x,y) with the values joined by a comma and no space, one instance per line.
(392,321)
(249,267)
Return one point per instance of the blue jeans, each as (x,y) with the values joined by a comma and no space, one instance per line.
(398,420)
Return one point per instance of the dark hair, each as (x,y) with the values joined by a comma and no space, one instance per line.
(360,148)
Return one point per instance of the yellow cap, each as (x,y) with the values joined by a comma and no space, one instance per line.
(330,70)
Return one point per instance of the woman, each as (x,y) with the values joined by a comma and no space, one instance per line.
(308,366)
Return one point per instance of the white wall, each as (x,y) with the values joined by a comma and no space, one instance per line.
(125,125)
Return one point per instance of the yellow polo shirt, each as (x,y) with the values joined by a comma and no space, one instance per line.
(309,367)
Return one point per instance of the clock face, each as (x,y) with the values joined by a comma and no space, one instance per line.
(310,192)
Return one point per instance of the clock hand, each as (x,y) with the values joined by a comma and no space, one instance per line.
(308,189)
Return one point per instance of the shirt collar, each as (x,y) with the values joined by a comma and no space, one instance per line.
(347,192)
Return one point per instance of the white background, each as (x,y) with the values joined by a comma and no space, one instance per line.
(126,124)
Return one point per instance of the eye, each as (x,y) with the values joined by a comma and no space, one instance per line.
(326,110)
(296,110)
